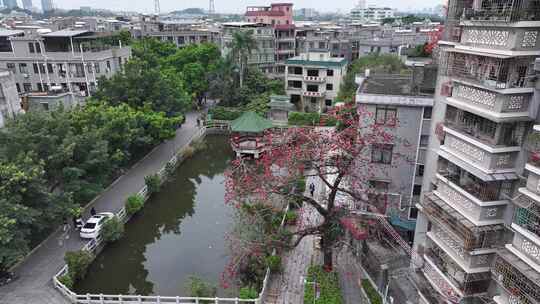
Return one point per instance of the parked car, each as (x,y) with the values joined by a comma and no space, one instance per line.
(93,226)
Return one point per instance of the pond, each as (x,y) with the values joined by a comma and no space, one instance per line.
(179,233)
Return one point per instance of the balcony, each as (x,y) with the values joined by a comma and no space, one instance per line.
(468,284)
(484,131)
(478,215)
(519,280)
(495,73)
(470,236)
(503,11)
(315,79)
(525,244)
(440,283)
(527,215)
(482,191)
(496,107)
(313,94)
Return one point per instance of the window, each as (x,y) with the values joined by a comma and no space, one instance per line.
(36,69)
(313,88)
(313,100)
(18,87)
(413,213)
(386,116)
(108,66)
(427,112)
(313,73)
(417,190)
(294,84)
(39,87)
(424,140)
(38,48)
(42,68)
(180,39)
(329,87)
(11,67)
(381,153)
(45,106)
(31,47)
(420,170)
(27,87)
(50,68)
(329,73)
(379,186)
(322,45)
(96,68)
(23,68)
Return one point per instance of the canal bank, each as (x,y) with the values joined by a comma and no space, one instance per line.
(179,233)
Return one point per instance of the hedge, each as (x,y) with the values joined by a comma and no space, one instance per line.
(224,113)
(328,285)
(372,294)
(310,119)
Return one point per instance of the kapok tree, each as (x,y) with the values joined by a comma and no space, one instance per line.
(345,159)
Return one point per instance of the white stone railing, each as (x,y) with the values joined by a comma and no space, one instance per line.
(94,244)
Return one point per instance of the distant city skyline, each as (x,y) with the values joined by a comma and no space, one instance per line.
(237,6)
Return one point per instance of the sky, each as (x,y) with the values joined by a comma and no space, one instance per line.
(235,6)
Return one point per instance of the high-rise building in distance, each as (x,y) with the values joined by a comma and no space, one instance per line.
(27,4)
(47,5)
(10,3)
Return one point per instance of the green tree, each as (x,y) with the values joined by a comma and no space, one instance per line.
(386,63)
(243,45)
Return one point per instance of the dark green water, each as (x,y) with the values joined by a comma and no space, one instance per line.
(179,233)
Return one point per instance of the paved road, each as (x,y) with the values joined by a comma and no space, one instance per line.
(34,285)
(288,287)
(350,276)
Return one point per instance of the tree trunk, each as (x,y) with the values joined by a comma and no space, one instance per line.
(327,254)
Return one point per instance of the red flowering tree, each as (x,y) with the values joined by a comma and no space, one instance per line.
(343,160)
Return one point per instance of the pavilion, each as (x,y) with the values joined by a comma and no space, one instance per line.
(247,132)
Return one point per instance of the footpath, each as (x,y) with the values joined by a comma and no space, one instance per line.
(34,283)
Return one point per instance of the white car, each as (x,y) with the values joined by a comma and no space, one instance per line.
(92,227)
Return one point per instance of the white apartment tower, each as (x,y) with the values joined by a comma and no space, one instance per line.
(485,106)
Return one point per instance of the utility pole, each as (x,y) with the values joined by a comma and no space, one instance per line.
(156,7)
(211,8)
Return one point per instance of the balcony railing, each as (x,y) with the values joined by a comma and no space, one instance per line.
(490,72)
(453,223)
(313,94)
(489,100)
(484,130)
(518,279)
(467,283)
(502,12)
(528,218)
(314,79)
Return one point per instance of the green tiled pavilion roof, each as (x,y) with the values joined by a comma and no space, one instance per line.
(250,122)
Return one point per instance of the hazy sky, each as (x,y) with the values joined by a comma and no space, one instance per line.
(234,6)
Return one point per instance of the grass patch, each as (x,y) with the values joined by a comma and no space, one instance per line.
(371,292)
(327,285)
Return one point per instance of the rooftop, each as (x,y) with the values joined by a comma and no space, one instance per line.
(8,33)
(250,122)
(314,60)
(66,33)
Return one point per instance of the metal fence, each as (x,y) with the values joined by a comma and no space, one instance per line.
(95,244)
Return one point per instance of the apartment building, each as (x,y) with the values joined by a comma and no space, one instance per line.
(313,79)
(180,32)
(402,105)
(71,59)
(485,103)
(371,13)
(280,17)
(10,103)
(340,41)
(263,57)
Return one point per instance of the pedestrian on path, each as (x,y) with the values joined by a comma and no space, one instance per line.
(93,211)
(65,225)
(312,189)
(77,223)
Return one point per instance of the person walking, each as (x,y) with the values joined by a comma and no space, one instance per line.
(93,211)
(312,189)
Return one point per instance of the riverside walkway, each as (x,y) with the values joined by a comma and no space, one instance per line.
(34,283)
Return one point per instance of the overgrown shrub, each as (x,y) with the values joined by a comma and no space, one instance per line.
(224,113)
(311,119)
(112,230)
(197,287)
(153,183)
(78,262)
(247,293)
(328,286)
(274,263)
(134,203)
(373,295)
(291,217)
(66,280)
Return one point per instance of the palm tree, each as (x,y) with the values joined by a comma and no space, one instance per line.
(243,45)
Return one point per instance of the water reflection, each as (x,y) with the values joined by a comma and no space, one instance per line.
(179,233)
